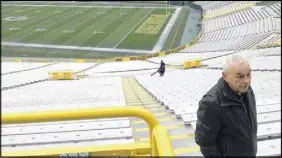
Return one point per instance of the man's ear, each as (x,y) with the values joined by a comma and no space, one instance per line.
(224,75)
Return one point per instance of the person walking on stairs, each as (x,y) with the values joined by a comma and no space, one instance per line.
(161,70)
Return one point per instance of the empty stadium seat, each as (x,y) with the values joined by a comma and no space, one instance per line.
(188,89)
(65,94)
(66,136)
(274,9)
(9,67)
(70,143)
(55,95)
(179,58)
(40,74)
(232,26)
(255,57)
(228,44)
(123,66)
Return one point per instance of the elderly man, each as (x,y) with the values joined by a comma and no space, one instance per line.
(227,117)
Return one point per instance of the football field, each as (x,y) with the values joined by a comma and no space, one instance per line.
(100,27)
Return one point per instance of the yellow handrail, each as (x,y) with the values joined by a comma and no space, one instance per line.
(162,142)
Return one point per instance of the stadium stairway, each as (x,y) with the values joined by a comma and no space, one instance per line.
(181,135)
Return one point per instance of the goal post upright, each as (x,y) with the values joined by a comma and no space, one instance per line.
(167,8)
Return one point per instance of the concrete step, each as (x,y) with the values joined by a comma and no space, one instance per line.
(181,136)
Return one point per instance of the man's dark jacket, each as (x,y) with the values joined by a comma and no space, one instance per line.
(223,127)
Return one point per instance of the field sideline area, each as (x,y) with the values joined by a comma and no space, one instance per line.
(99,27)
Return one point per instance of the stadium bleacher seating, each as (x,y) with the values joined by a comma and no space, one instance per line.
(180,92)
(215,59)
(191,89)
(179,58)
(274,9)
(259,59)
(38,74)
(9,67)
(272,41)
(234,30)
(55,95)
(228,44)
(229,27)
(215,9)
(251,16)
(123,66)
(109,93)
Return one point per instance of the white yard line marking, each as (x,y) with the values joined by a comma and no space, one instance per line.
(64,18)
(52,31)
(26,22)
(61,16)
(9,10)
(33,26)
(74,28)
(33,45)
(116,29)
(26,10)
(112,20)
(88,27)
(133,28)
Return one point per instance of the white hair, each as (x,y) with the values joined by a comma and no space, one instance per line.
(232,59)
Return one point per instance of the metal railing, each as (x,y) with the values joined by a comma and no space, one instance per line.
(159,145)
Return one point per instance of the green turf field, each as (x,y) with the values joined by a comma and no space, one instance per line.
(101,27)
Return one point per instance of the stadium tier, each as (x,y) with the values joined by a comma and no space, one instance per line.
(12,67)
(26,77)
(124,66)
(250,29)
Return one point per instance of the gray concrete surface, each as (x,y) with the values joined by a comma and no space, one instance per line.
(191,29)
